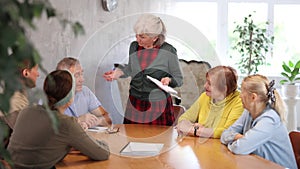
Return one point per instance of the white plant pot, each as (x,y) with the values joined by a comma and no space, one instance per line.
(290,90)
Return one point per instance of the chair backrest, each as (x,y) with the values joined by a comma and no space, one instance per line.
(124,84)
(295,140)
(194,78)
(178,111)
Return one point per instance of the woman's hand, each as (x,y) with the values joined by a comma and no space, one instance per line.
(165,81)
(184,127)
(238,136)
(113,74)
(83,125)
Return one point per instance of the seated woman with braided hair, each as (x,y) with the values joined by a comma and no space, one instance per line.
(261,129)
(34,142)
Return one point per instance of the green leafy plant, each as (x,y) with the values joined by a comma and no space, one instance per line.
(253,43)
(290,72)
(15,47)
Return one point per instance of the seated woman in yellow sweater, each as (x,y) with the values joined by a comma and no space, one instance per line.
(217,108)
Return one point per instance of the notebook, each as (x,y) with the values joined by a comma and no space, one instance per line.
(141,149)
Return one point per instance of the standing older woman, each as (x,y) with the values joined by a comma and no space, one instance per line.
(216,109)
(151,56)
(34,142)
(260,130)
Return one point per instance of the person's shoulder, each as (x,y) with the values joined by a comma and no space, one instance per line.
(34,108)
(85,88)
(85,94)
(66,121)
(168,46)
(204,97)
(235,96)
(134,43)
(271,113)
(20,97)
(133,47)
(237,92)
(37,111)
(66,118)
(85,91)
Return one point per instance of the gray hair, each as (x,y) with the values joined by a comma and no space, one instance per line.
(152,26)
(67,63)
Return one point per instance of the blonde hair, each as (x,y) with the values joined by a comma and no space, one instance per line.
(259,85)
(152,26)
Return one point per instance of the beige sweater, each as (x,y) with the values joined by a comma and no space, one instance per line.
(17,102)
(34,143)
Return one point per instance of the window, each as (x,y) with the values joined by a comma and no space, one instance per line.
(195,14)
(287,34)
(215,19)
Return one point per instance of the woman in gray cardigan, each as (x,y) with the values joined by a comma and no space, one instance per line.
(151,56)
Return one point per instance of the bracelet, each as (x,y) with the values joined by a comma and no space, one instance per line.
(195,130)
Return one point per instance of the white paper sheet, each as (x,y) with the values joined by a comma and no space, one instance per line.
(164,87)
(141,149)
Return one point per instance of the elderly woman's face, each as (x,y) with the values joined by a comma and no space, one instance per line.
(213,91)
(145,40)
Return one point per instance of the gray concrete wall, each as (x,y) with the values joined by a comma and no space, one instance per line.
(106,40)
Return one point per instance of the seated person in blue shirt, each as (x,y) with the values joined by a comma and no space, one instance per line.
(86,106)
(261,129)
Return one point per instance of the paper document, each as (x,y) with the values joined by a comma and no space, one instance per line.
(141,149)
(164,87)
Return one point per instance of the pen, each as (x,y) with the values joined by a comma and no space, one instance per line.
(93,128)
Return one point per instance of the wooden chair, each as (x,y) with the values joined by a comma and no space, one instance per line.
(178,111)
(295,140)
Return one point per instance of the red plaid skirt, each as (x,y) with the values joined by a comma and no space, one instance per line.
(149,112)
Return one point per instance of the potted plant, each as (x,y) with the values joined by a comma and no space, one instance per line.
(253,43)
(291,73)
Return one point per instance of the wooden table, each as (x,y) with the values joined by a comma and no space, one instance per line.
(188,153)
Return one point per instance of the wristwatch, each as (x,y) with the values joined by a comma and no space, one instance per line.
(195,130)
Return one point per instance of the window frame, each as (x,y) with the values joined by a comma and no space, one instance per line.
(222,38)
